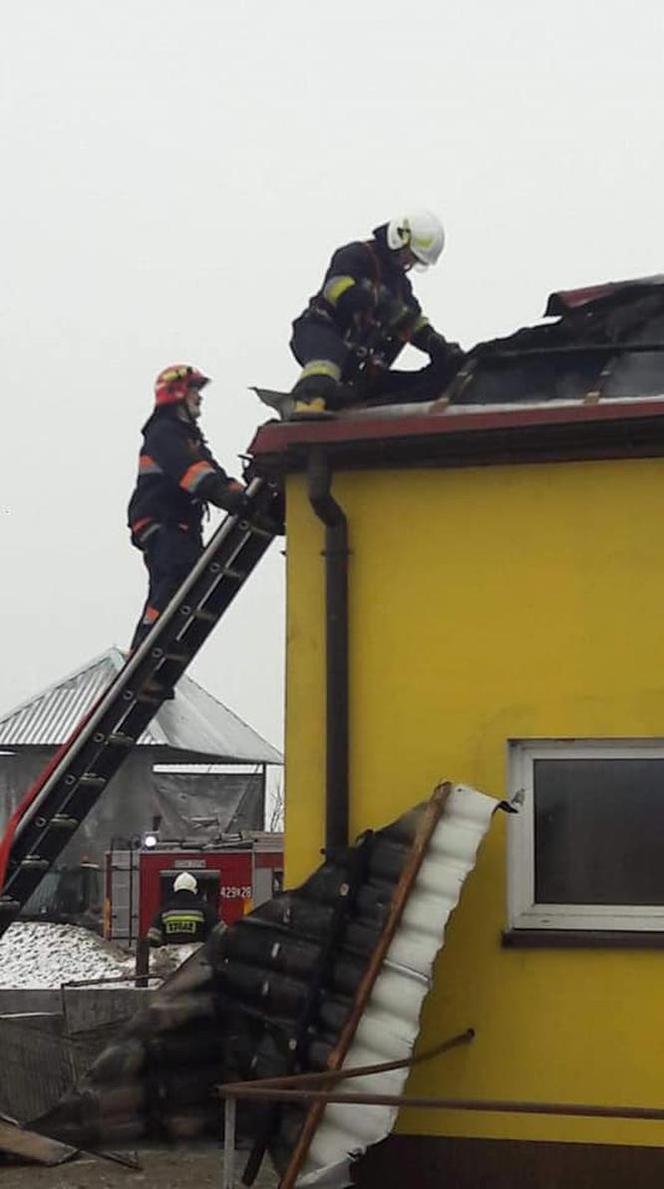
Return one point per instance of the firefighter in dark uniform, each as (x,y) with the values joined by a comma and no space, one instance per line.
(185,918)
(177,478)
(363,316)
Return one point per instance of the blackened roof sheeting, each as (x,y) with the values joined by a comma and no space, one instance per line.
(599,345)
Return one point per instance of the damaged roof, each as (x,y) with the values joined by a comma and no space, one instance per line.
(589,384)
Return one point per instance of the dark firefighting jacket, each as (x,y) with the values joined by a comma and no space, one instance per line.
(368,298)
(177,477)
(184,918)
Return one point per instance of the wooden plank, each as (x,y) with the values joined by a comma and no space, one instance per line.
(27,1145)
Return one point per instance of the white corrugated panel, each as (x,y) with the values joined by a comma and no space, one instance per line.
(391,1022)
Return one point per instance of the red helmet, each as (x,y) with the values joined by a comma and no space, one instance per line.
(174,382)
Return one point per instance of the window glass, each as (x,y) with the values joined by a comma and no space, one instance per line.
(599,831)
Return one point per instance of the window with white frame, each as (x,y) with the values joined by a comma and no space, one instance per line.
(586,850)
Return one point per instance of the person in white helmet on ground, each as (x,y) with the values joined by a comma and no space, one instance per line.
(185,918)
(361,318)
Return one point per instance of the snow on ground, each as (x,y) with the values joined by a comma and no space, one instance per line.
(37,954)
(40,954)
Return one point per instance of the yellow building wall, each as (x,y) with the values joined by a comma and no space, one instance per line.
(487,604)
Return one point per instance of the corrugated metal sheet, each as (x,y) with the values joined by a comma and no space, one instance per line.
(391,1022)
(193,721)
(274,993)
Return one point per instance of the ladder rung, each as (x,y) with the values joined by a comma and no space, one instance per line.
(150,699)
(206,616)
(92,780)
(256,529)
(119,739)
(62,822)
(231,572)
(8,905)
(34,861)
(180,657)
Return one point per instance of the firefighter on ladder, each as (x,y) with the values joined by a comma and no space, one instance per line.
(186,917)
(364,314)
(177,478)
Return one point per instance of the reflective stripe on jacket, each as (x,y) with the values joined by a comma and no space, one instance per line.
(185,918)
(177,475)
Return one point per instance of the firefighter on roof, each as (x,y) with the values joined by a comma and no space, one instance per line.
(186,917)
(363,316)
(177,478)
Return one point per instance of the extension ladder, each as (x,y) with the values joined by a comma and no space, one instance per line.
(77,775)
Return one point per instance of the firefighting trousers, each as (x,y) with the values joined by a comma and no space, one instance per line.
(315,342)
(169,554)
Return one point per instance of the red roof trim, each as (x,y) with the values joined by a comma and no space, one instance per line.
(276,438)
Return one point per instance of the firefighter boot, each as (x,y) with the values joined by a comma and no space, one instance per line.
(311,396)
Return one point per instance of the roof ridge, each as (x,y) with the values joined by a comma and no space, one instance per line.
(202,723)
(110,654)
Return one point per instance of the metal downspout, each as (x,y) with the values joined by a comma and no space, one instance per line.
(336,649)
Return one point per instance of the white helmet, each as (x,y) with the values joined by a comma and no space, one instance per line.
(185,882)
(422,232)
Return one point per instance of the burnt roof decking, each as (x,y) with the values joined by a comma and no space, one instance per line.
(590,385)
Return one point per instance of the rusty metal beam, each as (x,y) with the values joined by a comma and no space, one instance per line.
(321,1098)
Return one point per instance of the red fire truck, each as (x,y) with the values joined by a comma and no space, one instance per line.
(235,874)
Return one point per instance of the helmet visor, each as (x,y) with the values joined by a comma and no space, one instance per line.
(197,381)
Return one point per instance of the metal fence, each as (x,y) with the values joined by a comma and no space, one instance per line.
(45,1053)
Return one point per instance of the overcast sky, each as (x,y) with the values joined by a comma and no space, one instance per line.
(175,174)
